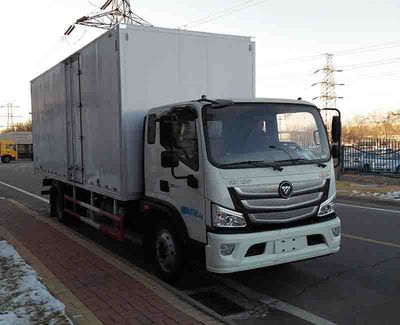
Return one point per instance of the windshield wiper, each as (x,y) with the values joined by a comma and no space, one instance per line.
(284,150)
(294,160)
(258,163)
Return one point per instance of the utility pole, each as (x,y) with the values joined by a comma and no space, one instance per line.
(110,14)
(10,115)
(328,85)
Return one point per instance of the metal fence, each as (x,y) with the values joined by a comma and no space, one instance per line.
(372,156)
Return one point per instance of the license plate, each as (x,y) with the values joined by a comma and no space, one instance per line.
(290,244)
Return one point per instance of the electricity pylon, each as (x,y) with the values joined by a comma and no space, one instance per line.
(110,14)
(328,85)
(10,115)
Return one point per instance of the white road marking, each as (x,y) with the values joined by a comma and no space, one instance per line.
(273,302)
(301,313)
(25,192)
(368,208)
(385,243)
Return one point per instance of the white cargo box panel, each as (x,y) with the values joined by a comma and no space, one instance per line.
(88,111)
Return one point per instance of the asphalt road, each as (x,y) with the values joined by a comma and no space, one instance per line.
(358,285)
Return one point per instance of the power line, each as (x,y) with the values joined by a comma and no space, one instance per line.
(93,5)
(368,64)
(350,67)
(370,75)
(376,47)
(214,14)
(357,50)
(223,13)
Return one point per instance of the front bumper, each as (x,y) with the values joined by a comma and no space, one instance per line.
(238,261)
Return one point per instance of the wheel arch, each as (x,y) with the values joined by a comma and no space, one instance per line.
(156,210)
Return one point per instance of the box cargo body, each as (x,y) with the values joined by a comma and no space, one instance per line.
(88,110)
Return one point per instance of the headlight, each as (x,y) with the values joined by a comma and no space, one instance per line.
(226,218)
(327,207)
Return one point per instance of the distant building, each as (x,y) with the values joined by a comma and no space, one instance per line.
(23,139)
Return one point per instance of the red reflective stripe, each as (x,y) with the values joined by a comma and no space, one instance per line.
(72,213)
(97,210)
(118,235)
(112,233)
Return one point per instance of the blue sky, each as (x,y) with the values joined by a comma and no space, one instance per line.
(282,30)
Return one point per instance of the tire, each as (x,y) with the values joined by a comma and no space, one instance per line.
(6,159)
(57,203)
(398,169)
(168,251)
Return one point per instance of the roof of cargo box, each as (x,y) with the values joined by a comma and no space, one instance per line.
(181,31)
(149,29)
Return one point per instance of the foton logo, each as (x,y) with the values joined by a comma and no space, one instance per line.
(285,189)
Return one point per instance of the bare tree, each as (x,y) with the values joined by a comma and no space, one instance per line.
(20,126)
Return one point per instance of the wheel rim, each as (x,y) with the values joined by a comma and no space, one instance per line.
(166,251)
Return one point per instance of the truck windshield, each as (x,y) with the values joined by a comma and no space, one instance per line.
(269,133)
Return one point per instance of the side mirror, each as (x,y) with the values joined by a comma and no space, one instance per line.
(169,159)
(336,129)
(166,131)
(192,181)
(335,151)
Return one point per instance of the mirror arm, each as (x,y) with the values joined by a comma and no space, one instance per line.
(338,161)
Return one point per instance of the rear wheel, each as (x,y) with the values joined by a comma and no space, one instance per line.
(6,159)
(168,249)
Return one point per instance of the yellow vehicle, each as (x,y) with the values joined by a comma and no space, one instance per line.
(8,151)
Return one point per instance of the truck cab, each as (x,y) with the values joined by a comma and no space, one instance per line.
(8,151)
(251,182)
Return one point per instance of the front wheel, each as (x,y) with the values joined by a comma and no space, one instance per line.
(6,159)
(168,248)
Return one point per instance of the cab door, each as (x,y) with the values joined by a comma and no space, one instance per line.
(183,186)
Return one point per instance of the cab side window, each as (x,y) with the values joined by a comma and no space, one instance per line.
(186,143)
(151,129)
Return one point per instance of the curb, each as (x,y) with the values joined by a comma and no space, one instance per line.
(170,294)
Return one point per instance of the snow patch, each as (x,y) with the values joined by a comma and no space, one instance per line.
(23,298)
(389,196)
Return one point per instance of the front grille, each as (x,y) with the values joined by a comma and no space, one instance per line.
(263,205)
(283,216)
(280,204)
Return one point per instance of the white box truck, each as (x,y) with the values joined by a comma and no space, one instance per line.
(238,184)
